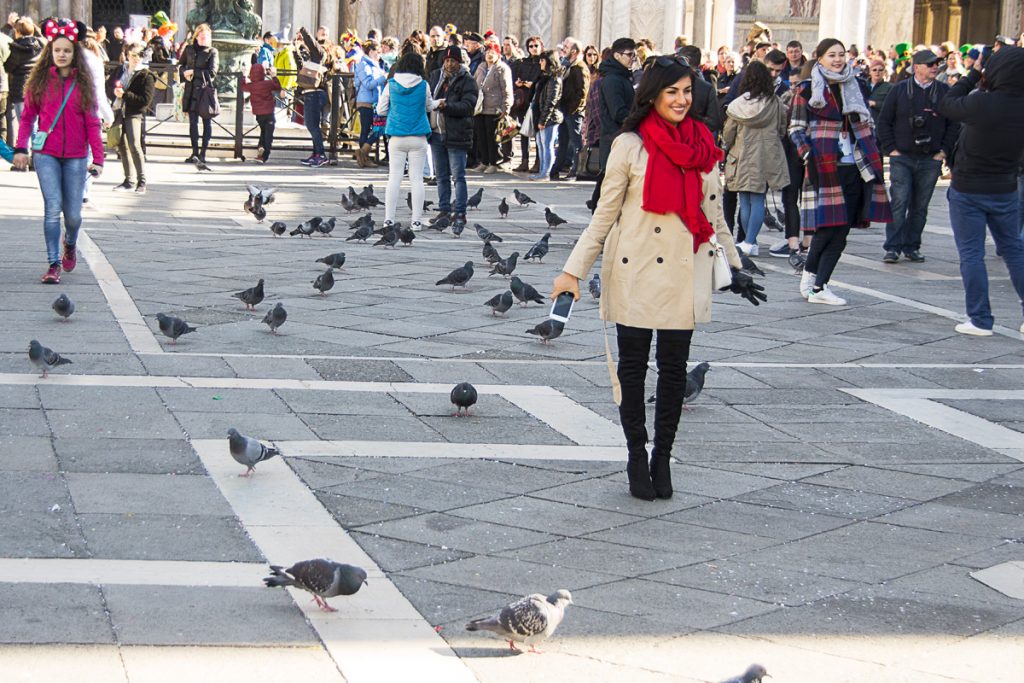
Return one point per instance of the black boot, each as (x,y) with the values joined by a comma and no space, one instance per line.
(672,354)
(633,354)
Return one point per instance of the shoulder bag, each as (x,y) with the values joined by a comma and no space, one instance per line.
(38,139)
(205,101)
(721,274)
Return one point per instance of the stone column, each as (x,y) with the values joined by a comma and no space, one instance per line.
(559,20)
(888,22)
(327,15)
(348,16)
(397,19)
(700,29)
(585,21)
(303,14)
(723,24)
(271,15)
(514,21)
(80,10)
(537,20)
(1011,14)
(673,24)
(614,20)
(178,13)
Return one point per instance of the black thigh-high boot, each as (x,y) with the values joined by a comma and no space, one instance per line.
(672,353)
(634,349)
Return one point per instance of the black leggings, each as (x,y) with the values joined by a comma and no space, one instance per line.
(193,134)
(828,243)
(791,193)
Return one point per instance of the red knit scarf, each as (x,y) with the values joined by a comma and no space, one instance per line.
(671,152)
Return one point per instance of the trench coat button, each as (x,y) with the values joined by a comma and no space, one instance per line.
(661,260)
(657,230)
(712,197)
(625,260)
(711,253)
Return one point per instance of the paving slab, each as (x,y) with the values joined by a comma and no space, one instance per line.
(117,455)
(141,536)
(545,516)
(446,531)
(145,494)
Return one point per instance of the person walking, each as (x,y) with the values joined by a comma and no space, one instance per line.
(451,140)
(134,87)
(494,79)
(546,115)
(754,127)
(197,68)
(654,228)
(984,189)
(406,101)
(830,125)
(262,86)
(60,98)
(917,139)
(369,79)
(24,54)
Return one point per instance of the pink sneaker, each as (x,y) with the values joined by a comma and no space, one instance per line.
(52,275)
(70,258)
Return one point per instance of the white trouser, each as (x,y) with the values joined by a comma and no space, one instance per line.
(402,149)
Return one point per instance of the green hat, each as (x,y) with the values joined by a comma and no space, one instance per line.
(902,51)
(964,49)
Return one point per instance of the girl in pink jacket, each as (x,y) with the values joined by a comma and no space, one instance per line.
(60,97)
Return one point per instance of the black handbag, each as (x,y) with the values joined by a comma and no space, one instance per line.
(205,101)
(588,163)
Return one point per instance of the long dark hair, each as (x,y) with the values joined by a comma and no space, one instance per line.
(655,79)
(758,81)
(411,63)
(553,61)
(39,78)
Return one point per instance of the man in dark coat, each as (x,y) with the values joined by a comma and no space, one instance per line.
(616,92)
(705,100)
(453,136)
(575,84)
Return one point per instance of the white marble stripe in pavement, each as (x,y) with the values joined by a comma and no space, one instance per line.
(428,449)
(132,572)
(376,635)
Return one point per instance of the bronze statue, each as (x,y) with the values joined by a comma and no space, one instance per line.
(232,16)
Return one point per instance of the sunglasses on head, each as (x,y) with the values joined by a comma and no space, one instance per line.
(665,60)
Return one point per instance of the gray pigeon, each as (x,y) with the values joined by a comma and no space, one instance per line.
(407,235)
(259,197)
(64,307)
(748,264)
(553,219)
(248,451)
(336,260)
(173,327)
(490,253)
(503,208)
(324,281)
(362,220)
(595,286)
(361,233)
(539,250)
(548,330)
(505,266)
(500,303)
(388,239)
(307,228)
(323,578)
(463,396)
(252,296)
(528,620)
(525,292)
(485,234)
(753,674)
(473,202)
(275,317)
(327,226)
(694,384)
(45,358)
(278,228)
(458,277)
(522,198)
(348,204)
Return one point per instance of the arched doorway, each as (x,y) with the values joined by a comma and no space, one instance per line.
(465,14)
(962,21)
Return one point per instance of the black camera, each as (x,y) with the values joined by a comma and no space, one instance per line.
(917,121)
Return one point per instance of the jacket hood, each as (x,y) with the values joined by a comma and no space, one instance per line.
(610,66)
(1005,70)
(257,72)
(757,113)
(407,80)
(29,43)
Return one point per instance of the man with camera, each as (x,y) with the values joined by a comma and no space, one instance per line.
(917,138)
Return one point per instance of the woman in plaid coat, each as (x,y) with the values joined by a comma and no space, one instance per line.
(830,124)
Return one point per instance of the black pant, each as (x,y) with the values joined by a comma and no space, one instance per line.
(730,202)
(267,124)
(791,193)
(672,352)
(485,126)
(193,134)
(827,244)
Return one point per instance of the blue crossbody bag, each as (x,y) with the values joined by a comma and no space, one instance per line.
(38,139)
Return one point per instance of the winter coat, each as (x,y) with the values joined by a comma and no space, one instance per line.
(616,96)
(650,275)
(25,53)
(203,62)
(459,95)
(369,79)
(753,134)
(575,84)
(261,90)
(284,60)
(405,102)
(95,64)
(705,107)
(895,130)
(75,131)
(591,131)
(5,52)
(138,93)
(545,101)
(526,69)
(265,56)
(495,83)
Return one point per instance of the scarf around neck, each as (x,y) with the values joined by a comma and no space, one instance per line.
(677,155)
(849,89)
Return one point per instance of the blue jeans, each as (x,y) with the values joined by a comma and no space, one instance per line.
(449,167)
(751,214)
(1020,201)
(546,150)
(313,102)
(365,125)
(569,142)
(62,182)
(912,182)
(969,213)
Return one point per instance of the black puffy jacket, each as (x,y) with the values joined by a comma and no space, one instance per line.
(25,53)
(459,96)
(546,100)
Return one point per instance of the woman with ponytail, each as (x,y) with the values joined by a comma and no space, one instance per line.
(656,222)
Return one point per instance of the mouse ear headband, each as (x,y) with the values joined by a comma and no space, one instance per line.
(63,28)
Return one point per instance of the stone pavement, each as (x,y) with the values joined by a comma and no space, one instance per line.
(841,477)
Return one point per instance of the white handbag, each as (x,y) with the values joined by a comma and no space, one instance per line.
(721,273)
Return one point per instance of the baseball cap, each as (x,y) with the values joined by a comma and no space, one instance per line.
(926,57)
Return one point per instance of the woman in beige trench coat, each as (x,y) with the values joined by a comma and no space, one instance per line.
(660,208)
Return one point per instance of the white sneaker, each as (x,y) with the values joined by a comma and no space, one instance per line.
(972,329)
(1022,328)
(806,283)
(416,226)
(825,296)
(748,249)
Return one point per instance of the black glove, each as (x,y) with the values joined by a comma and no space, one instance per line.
(745,286)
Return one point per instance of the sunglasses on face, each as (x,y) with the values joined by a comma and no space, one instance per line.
(532,45)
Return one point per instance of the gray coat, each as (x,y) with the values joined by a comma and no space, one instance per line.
(755,160)
(495,83)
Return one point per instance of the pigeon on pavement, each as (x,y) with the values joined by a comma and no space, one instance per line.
(528,620)
(547,330)
(173,327)
(362,220)
(463,396)
(408,201)
(275,317)
(753,674)
(361,233)
(63,306)
(278,228)
(349,205)
(45,358)
(474,201)
(388,239)
(522,198)
(485,234)
(525,292)
(553,219)
(490,253)
(259,197)
(407,235)
(500,303)
(505,266)
(796,260)
(540,249)
(248,451)
(458,277)
(336,260)
(503,208)
(323,578)
(324,281)
(694,384)
(252,296)
(440,223)
(748,264)
(325,227)
(307,228)
(595,286)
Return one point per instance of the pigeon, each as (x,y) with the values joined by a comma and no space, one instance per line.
(388,239)
(524,292)
(485,234)
(748,264)
(528,620)
(323,578)
(324,281)
(173,327)
(278,228)
(694,384)
(366,219)
(539,250)
(371,199)
(248,451)
(252,296)
(771,222)
(474,201)
(458,277)
(275,317)
(595,286)
(259,197)
(505,266)
(349,205)
(463,396)
(440,223)
(797,259)
(753,674)
(553,219)
(63,306)
(307,228)
(361,233)
(408,202)
(45,358)
(500,303)
(336,260)
(503,208)
(522,198)
(407,235)
(201,165)
(547,330)
(326,226)
(490,253)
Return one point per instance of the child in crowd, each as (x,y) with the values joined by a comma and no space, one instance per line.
(261,87)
